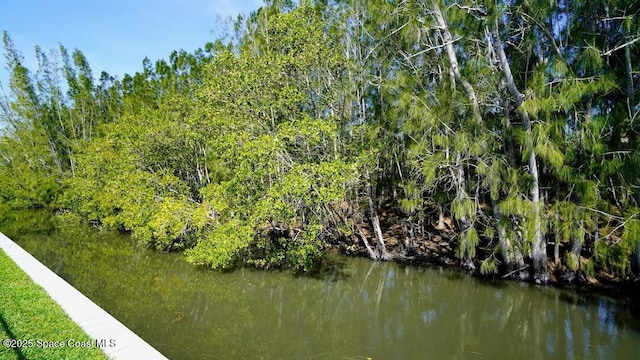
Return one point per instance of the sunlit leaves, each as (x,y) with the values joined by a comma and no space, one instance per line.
(222,246)
(562,95)
(468,243)
(613,252)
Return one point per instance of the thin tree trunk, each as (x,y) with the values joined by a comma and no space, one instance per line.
(375,222)
(539,245)
(382,249)
(538,248)
(453,60)
(629,73)
(459,176)
(372,254)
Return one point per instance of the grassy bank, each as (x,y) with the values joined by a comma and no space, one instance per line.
(35,321)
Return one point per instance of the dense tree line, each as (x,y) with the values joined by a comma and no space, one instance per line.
(514,123)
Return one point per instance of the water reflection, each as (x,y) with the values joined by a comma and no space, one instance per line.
(355,309)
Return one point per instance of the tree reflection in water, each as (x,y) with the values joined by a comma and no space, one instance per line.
(353,308)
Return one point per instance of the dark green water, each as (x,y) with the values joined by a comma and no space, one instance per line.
(356,310)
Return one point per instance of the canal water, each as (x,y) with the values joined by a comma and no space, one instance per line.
(354,309)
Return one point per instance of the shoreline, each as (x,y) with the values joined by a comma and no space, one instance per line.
(438,250)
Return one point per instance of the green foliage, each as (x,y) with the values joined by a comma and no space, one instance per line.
(306,251)
(589,268)
(171,223)
(24,183)
(463,209)
(4,210)
(468,243)
(572,261)
(614,252)
(515,206)
(591,59)
(412,201)
(222,247)
(268,149)
(489,266)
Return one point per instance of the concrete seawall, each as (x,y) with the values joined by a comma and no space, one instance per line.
(116,340)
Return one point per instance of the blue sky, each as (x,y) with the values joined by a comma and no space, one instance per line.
(114,35)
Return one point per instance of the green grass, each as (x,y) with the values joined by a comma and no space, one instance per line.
(27,313)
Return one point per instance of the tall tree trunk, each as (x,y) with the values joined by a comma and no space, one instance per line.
(538,248)
(538,245)
(459,175)
(453,60)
